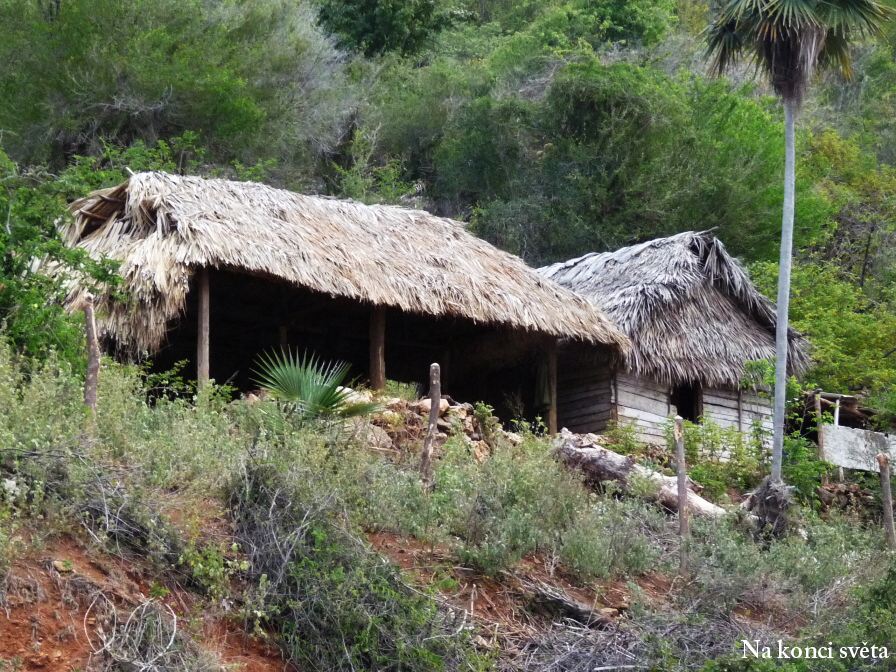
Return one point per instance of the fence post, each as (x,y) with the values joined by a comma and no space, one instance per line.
(682,469)
(435,399)
(883,461)
(91,380)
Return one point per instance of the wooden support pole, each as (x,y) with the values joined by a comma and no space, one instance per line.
(91,380)
(819,424)
(682,472)
(740,410)
(552,387)
(202,339)
(435,400)
(883,461)
(378,348)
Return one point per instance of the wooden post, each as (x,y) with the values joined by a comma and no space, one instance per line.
(682,469)
(202,339)
(435,400)
(378,348)
(91,380)
(883,461)
(840,475)
(552,386)
(740,410)
(819,424)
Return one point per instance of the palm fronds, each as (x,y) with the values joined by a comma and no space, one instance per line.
(787,39)
(311,387)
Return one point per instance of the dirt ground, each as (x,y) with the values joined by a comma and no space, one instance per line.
(50,616)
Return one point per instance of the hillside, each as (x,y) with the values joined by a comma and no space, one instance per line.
(200,533)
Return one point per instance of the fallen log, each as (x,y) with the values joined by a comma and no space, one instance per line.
(598,463)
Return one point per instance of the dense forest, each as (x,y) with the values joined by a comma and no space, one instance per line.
(554,127)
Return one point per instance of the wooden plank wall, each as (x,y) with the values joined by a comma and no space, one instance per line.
(583,393)
(721,406)
(644,404)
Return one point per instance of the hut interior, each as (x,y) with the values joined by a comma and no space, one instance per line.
(250,314)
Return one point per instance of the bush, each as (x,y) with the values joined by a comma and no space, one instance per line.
(721,458)
(616,537)
(337,605)
(517,502)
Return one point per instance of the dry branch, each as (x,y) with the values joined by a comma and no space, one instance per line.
(93,355)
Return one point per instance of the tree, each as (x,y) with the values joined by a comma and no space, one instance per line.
(787,40)
(378,26)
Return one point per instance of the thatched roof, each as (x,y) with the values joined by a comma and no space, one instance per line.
(163,227)
(688,306)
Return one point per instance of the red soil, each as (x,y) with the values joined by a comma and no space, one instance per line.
(51,611)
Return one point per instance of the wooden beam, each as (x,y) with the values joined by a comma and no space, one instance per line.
(552,386)
(435,401)
(883,461)
(378,348)
(202,339)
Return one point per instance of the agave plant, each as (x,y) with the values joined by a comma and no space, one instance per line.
(310,387)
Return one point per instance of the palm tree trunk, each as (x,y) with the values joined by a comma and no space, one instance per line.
(784,289)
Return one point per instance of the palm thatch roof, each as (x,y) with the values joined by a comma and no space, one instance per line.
(164,227)
(688,306)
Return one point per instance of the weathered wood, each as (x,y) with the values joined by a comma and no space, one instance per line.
(575,393)
(746,406)
(627,412)
(584,452)
(91,380)
(819,423)
(202,340)
(883,461)
(740,410)
(435,396)
(655,405)
(591,405)
(378,348)
(587,411)
(551,354)
(682,476)
(636,384)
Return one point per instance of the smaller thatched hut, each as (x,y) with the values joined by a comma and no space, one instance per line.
(216,271)
(695,321)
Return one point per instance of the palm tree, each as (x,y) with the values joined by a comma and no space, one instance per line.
(309,388)
(787,40)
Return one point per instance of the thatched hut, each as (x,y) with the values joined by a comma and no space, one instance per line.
(695,321)
(215,271)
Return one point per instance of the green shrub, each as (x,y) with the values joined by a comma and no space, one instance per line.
(801,467)
(616,537)
(720,458)
(336,604)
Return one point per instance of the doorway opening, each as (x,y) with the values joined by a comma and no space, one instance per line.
(688,401)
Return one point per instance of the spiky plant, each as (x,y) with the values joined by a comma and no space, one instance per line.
(311,388)
(787,41)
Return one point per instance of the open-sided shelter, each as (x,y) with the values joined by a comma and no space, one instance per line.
(695,321)
(216,271)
